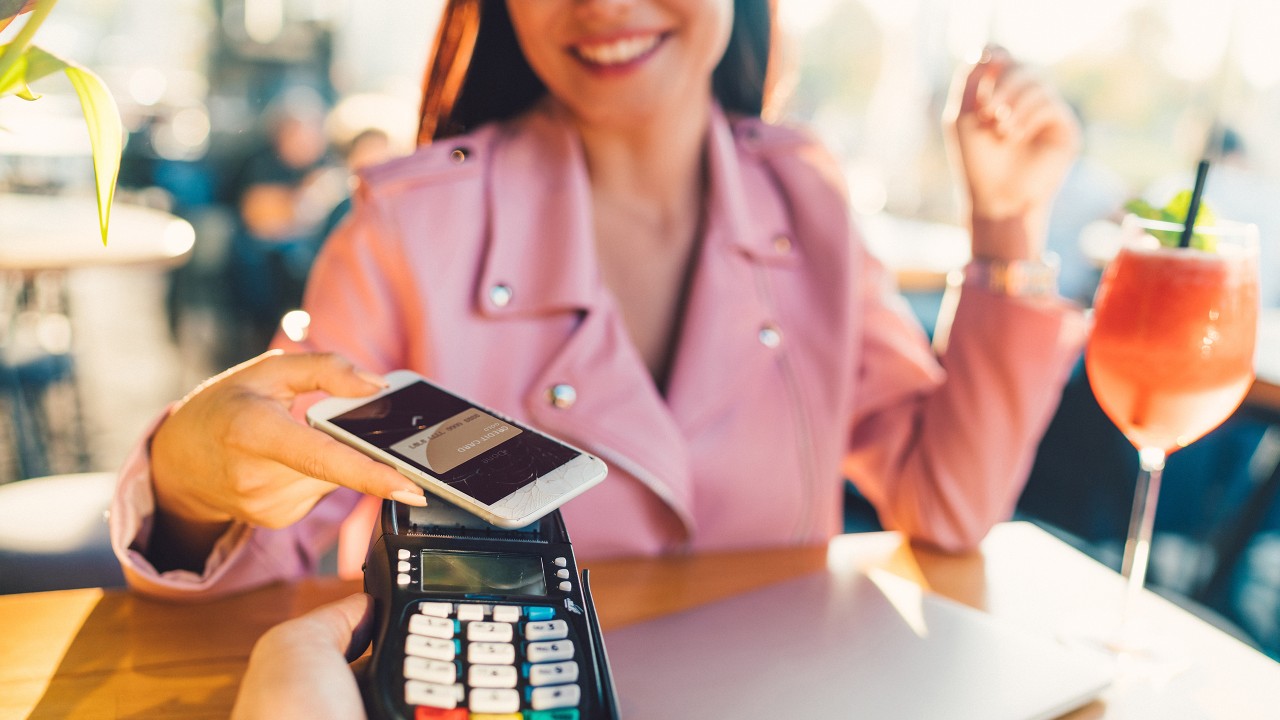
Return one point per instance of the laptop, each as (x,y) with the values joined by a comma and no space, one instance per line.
(852,645)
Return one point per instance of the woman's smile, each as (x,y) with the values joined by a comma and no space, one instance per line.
(619,53)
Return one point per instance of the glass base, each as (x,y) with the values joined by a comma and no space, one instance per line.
(1139,654)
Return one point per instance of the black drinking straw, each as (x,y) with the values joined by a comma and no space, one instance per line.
(1202,170)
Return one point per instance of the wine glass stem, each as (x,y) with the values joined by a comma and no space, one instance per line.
(1137,548)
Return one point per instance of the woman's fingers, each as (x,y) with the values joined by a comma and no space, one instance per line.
(231,448)
(313,454)
(286,375)
(980,81)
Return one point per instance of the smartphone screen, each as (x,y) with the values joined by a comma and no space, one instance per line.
(479,455)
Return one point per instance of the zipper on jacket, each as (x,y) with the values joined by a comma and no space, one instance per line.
(804,435)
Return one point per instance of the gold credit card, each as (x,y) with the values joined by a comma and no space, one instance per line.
(455,440)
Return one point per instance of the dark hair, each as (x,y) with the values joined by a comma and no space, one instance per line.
(478,73)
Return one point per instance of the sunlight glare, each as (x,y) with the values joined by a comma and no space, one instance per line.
(800,16)
(1256,50)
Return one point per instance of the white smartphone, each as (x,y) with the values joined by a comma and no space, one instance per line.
(505,473)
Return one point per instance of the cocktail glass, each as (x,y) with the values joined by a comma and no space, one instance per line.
(1170,357)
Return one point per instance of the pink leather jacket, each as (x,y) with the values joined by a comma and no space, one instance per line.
(798,365)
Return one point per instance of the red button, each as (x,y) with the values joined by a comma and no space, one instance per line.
(430,713)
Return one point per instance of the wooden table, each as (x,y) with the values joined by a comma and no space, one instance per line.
(108,654)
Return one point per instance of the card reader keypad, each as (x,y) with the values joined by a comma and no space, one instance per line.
(505,662)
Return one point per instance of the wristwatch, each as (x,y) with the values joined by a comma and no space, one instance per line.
(1015,278)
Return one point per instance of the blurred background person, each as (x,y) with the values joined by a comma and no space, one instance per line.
(286,188)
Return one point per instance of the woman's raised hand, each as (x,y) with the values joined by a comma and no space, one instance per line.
(232,450)
(1015,140)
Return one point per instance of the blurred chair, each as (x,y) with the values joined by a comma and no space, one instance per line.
(53,534)
(37,376)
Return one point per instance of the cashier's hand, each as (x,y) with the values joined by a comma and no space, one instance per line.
(231,450)
(1014,140)
(299,667)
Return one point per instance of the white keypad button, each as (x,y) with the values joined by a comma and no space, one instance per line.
(490,632)
(402,554)
(430,626)
(470,612)
(495,701)
(487,653)
(417,692)
(554,696)
(492,676)
(402,579)
(553,673)
(430,648)
(547,630)
(560,562)
(549,651)
(402,566)
(432,671)
(437,609)
(562,573)
(566,586)
(506,613)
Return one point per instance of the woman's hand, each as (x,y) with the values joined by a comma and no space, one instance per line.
(231,450)
(299,667)
(1014,139)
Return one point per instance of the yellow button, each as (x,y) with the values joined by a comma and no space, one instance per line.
(489,716)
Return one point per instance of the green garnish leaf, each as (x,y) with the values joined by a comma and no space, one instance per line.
(1175,211)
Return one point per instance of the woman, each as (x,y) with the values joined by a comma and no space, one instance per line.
(606,241)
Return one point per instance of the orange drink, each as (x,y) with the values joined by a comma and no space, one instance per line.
(1171,355)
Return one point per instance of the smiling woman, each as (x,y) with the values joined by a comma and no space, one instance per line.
(482,70)
(601,236)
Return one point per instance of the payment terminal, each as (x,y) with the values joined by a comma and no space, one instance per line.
(479,621)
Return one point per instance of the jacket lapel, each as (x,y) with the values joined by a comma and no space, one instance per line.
(723,338)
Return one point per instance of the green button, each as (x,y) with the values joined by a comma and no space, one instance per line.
(540,612)
(560,714)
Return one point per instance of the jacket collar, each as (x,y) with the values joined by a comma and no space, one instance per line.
(538,188)
(538,185)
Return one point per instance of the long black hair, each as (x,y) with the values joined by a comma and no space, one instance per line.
(478,73)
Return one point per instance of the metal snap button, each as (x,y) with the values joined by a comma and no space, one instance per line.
(782,245)
(500,295)
(562,396)
(459,155)
(770,336)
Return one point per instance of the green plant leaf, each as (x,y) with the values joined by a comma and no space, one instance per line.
(106,136)
(30,66)
(106,131)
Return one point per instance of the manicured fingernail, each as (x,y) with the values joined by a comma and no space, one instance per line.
(372,378)
(408,497)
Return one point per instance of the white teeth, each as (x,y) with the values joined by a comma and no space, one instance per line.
(619,51)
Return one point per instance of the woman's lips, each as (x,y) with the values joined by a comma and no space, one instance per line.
(618,53)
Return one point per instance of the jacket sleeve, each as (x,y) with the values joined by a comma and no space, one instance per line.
(942,443)
(243,558)
(351,297)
